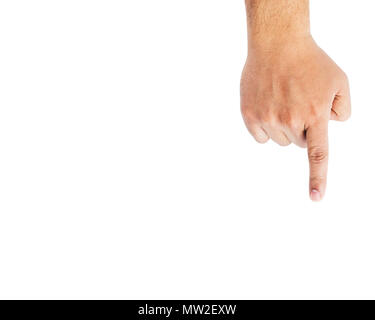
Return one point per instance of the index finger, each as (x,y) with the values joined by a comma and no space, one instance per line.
(317,147)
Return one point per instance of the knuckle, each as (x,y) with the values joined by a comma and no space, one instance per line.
(320,106)
(317,155)
(247,112)
(315,110)
(286,118)
(296,125)
(266,116)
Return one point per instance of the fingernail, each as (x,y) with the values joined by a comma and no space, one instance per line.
(315,195)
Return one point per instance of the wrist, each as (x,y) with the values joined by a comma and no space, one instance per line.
(273,23)
(263,42)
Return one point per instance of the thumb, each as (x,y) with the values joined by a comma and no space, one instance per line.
(341,106)
(317,147)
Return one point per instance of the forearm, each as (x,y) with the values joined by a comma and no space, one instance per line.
(271,21)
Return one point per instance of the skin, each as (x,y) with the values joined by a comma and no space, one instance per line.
(290,88)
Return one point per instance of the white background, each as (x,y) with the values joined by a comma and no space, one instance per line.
(126,170)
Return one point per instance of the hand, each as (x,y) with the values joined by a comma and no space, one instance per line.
(289,91)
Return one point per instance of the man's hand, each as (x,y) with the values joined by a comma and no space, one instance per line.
(290,88)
